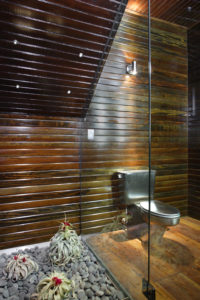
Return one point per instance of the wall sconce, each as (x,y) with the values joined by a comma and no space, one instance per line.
(132,68)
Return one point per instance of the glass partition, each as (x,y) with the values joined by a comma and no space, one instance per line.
(173,236)
(115,155)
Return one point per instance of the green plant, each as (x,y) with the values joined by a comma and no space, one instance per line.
(54,287)
(20,266)
(65,245)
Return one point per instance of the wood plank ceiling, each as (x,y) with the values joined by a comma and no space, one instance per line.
(181,12)
(52,52)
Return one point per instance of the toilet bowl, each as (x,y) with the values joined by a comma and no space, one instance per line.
(135,186)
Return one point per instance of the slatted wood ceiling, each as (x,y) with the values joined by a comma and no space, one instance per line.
(40,46)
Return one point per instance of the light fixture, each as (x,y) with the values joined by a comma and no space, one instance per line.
(132,68)
(68,92)
(80,54)
(17,86)
(15,42)
(189,8)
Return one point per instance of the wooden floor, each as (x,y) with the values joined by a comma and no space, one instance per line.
(175,266)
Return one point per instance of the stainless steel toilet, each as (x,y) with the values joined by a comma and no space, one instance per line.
(136,193)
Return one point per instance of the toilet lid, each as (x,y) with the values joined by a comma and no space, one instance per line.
(160,209)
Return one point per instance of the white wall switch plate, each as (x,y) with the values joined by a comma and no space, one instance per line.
(90,134)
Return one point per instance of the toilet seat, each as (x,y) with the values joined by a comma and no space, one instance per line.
(160,209)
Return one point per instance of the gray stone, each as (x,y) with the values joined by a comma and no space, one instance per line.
(22,296)
(15,297)
(3,282)
(5,293)
(107,292)
(95,288)
(46,268)
(15,285)
(10,283)
(32,290)
(119,294)
(112,288)
(91,269)
(41,275)
(20,283)
(99,293)
(32,279)
(91,278)
(87,285)
(1,298)
(27,285)
(81,295)
(82,284)
(12,291)
(103,287)
(102,280)
(89,293)
(2,261)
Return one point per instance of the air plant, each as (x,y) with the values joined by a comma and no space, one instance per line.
(65,245)
(20,267)
(118,223)
(54,287)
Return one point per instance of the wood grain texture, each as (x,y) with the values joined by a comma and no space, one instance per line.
(119,115)
(40,123)
(169,102)
(39,177)
(174,265)
(174,11)
(41,128)
(193,121)
(40,60)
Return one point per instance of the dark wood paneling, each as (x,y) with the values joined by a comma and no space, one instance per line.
(169,102)
(119,115)
(39,53)
(182,12)
(39,179)
(193,121)
(40,125)
(39,122)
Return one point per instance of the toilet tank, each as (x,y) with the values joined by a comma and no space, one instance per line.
(135,185)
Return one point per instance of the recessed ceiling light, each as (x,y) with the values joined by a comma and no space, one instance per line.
(17,86)
(15,42)
(80,54)
(68,92)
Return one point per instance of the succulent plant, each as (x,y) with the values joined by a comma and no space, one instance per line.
(54,287)
(20,266)
(65,245)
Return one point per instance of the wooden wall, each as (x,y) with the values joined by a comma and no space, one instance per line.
(119,115)
(45,87)
(194,121)
(169,105)
(40,155)
(39,177)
